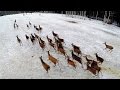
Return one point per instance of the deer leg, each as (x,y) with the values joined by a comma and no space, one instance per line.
(54,65)
(110,51)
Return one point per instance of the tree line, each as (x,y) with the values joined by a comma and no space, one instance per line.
(110,17)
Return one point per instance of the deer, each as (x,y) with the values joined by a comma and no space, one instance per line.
(99,58)
(30,23)
(40,28)
(32,40)
(45,65)
(32,36)
(95,66)
(52,59)
(15,21)
(108,46)
(76,58)
(14,25)
(27,25)
(19,41)
(70,62)
(27,37)
(88,60)
(57,41)
(17,26)
(60,39)
(61,49)
(76,49)
(54,34)
(42,45)
(92,70)
(36,36)
(35,26)
(42,41)
(37,29)
(49,40)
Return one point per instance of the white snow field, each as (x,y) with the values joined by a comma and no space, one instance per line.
(16,62)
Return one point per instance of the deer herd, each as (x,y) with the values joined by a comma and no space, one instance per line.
(57,44)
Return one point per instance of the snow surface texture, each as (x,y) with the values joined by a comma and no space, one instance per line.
(17,62)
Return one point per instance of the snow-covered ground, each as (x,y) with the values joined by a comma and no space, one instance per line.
(17,62)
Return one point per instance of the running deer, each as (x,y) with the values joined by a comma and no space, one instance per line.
(92,70)
(45,65)
(99,58)
(108,46)
(60,39)
(36,36)
(14,25)
(33,36)
(57,42)
(42,41)
(40,28)
(27,25)
(95,66)
(88,60)
(76,49)
(61,49)
(76,58)
(27,37)
(54,34)
(70,62)
(15,21)
(19,41)
(49,40)
(52,59)
(35,26)
(42,45)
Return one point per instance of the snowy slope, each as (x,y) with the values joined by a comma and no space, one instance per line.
(17,62)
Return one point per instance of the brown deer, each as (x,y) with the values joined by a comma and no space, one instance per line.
(76,58)
(52,59)
(88,60)
(19,41)
(52,45)
(49,40)
(45,65)
(42,41)
(92,70)
(36,36)
(70,62)
(60,39)
(108,46)
(76,49)
(42,45)
(95,66)
(99,58)
(61,49)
